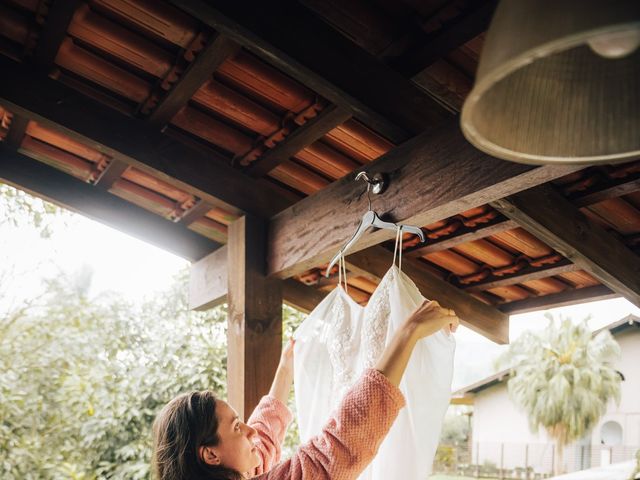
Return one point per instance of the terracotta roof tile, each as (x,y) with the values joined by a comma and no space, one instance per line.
(63,142)
(357,141)
(86,64)
(158,20)
(298,177)
(326,160)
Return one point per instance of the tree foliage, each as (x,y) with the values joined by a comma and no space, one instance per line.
(563,377)
(81,379)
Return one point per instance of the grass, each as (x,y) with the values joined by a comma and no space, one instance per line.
(454,477)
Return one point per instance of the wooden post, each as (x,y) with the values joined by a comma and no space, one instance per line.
(526,461)
(254,333)
(501,474)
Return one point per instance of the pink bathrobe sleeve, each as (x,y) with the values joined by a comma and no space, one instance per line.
(350,439)
(270,419)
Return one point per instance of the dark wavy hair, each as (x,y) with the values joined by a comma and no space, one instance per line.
(185,424)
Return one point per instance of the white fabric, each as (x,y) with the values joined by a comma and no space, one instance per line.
(340,339)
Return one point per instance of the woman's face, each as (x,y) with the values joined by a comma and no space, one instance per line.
(236,449)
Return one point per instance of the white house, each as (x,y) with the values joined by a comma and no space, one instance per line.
(501,433)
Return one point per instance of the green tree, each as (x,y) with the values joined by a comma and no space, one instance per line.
(563,378)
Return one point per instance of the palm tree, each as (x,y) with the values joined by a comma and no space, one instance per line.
(563,378)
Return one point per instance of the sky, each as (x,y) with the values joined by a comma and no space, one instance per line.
(135,270)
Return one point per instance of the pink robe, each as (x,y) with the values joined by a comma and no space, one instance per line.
(348,442)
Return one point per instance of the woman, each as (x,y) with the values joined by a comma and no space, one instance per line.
(197,436)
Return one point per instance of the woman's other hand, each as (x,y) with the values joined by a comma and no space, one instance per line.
(286,359)
(430,317)
(284,374)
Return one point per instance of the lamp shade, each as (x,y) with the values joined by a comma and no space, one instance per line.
(558,82)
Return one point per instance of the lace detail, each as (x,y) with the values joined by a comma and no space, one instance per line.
(339,345)
(376,323)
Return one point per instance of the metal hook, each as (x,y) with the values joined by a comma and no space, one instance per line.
(375,185)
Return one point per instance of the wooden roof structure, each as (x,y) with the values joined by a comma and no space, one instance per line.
(230,133)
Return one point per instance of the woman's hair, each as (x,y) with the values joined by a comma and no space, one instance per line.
(185,424)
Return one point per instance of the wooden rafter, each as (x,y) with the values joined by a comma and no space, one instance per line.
(208,285)
(110,174)
(478,316)
(197,211)
(69,192)
(462,235)
(524,275)
(310,51)
(201,69)
(17,130)
(561,299)
(54,32)
(429,179)
(444,41)
(131,141)
(553,219)
(313,130)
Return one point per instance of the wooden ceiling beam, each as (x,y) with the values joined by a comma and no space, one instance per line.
(431,177)
(200,70)
(447,39)
(73,194)
(298,42)
(304,136)
(17,130)
(109,175)
(561,299)
(132,141)
(53,32)
(474,314)
(462,235)
(554,220)
(500,224)
(524,275)
(208,285)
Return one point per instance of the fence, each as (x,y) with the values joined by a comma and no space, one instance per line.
(525,461)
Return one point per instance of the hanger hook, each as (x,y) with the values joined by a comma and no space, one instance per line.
(376,184)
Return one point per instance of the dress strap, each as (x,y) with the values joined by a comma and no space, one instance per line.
(342,273)
(397,249)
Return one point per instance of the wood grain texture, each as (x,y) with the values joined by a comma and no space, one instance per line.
(208,280)
(480,317)
(554,220)
(208,285)
(431,177)
(254,331)
(68,192)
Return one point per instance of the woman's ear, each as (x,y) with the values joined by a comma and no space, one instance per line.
(208,455)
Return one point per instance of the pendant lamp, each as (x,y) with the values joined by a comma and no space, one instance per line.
(558,82)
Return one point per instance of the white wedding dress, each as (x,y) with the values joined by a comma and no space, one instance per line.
(340,339)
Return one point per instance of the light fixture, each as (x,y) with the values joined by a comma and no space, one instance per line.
(558,82)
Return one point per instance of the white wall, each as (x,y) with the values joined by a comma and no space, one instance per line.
(627,414)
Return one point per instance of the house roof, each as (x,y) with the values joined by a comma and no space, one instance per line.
(242,107)
(625,323)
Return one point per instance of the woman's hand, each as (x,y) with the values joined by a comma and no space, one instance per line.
(430,317)
(427,319)
(281,385)
(286,359)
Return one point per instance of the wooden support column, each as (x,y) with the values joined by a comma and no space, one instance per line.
(254,332)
